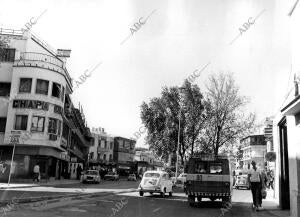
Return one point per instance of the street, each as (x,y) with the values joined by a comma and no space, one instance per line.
(131,204)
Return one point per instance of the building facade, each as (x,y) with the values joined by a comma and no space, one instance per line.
(254,149)
(34,84)
(123,155)
(101,153)
(286,124)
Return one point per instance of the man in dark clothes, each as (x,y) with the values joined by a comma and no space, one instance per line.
(79,170)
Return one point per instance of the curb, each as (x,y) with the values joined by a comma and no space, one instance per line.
(15,203)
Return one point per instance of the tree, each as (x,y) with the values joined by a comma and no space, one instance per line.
(226,121)
(161,119)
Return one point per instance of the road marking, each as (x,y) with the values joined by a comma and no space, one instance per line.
(109,201)
(157,209)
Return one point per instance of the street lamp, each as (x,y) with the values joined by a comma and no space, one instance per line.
(178,139)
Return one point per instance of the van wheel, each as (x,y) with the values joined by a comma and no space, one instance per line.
(212,198)
(226,202)
(141,193)
(191,200)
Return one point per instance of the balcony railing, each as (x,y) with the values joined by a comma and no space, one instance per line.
(40,57)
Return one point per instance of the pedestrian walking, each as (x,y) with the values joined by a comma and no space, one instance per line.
(256,186)
(36,172)
(78,171)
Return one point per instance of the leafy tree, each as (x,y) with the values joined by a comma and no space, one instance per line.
(161,118)
(226,119)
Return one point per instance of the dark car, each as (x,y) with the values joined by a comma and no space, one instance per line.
(111,176)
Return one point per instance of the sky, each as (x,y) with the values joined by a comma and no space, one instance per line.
(177,38)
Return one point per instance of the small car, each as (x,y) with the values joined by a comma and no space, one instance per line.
(156,182)
(111,176)
(242,182)
(91,176)
(131,177)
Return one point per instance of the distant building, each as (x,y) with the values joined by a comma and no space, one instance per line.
(145,160)
(123,155)
(268,133)
(101,152)
(254,149)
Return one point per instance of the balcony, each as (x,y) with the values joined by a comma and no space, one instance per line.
(32,59)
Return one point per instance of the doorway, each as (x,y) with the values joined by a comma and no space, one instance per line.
(284,183)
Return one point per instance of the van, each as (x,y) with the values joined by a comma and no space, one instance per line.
(156,182)
(209,176)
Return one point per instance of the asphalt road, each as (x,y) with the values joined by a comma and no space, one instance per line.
(132,205)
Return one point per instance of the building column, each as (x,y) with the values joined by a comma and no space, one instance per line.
(294,165)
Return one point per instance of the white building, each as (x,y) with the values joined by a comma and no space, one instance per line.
(101,153)
(34,83)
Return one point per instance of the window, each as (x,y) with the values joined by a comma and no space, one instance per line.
(110,157)
(105,145)
(215,168)
(111,145)
(59,127)
(7,55)
(21,122)
(2,124)
(37,124)
(62,93)
(25,85)
(104,157)
(201,167)
(52,127)
(4,89)
(42,86)
(56,90)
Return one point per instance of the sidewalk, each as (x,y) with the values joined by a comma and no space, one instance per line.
(26,183)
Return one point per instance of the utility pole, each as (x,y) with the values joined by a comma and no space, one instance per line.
(178,139)
(13,140)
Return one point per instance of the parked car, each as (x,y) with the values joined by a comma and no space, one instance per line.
(242,182)
(156,182)
(131,177)
(111,176)
(91,176)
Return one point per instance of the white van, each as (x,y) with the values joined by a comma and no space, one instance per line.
(156,182)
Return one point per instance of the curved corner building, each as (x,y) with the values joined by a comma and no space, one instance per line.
(34,85)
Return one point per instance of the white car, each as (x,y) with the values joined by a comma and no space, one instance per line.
(91,176)
(156,182)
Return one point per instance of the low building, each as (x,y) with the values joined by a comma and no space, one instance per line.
(145,160)
(123,155)
(254,149)
(101,153)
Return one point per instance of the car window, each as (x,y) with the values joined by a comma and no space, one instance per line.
(152,175)
(89,172)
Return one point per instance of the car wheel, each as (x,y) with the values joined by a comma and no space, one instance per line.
(141,193)
(163,193)
(191,200)
(151,193)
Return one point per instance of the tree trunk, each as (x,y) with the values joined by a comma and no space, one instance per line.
(217,142)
